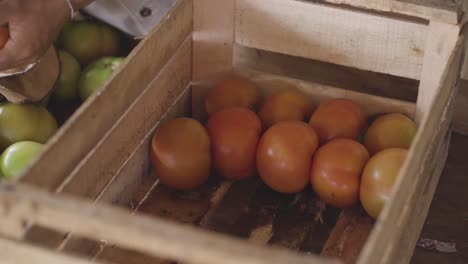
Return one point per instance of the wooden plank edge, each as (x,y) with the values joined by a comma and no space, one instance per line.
(138,232)
(20,253)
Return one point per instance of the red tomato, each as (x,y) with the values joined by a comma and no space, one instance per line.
(234,134)
(4,36)
(180,153)
(390,131)
(284,156)
(338,118)
(284,106)
(336,172)
(379,177)
(232,92)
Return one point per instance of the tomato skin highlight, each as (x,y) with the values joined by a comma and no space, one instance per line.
(4,36)
(234,134)
(180,153)
(338,118)
(284,106)
(379,177)
(234,91)
(284,156)
(390,131)
(336,172)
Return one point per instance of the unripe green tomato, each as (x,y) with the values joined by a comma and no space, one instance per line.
(25,122)
(96,74)
(17,157)
(70,70)
(89,40)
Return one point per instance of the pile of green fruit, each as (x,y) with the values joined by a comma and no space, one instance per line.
(89,52)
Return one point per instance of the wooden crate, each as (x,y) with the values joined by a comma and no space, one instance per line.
(110,207)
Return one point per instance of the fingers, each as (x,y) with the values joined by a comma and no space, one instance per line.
(19,50)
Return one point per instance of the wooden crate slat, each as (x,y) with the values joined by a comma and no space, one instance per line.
(310,30)
(143,233)
(449,11)
(18,253)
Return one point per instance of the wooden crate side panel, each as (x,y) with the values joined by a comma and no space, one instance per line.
(331,34)
(149,235)
(415,173)
(95,117)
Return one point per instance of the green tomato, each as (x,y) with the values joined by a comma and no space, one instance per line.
(17,157)
(66,87)
(96,74)
(89,40)
(25,122)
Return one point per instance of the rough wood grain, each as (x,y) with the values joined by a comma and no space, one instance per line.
(331,34)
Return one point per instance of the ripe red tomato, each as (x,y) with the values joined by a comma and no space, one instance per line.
(4,36)
(180,153)
(338,118)
(284,156)
(234,134)
(336,172)
(234,91)
(390,131)
(283,106)
(379,177)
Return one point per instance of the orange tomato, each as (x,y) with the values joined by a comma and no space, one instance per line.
(378,179)
(180,153)
(390,131)
(336,172)
(4,36)
(284,156)
(234,91)
(284,106)
(338,118)
(234,134)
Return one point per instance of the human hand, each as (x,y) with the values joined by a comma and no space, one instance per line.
(33,26)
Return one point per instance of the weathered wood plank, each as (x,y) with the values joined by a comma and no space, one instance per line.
(310,30)
(17,253)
